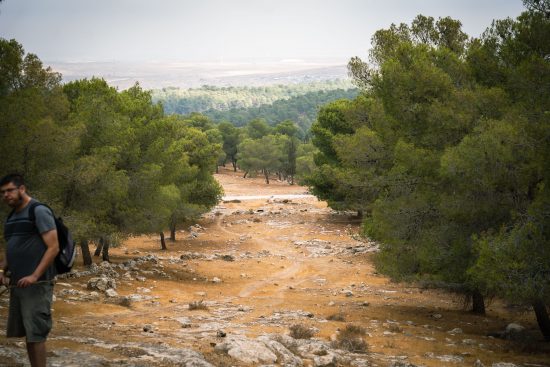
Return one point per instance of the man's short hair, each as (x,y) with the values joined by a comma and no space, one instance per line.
(14,178)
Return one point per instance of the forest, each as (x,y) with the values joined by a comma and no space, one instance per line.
(302,109)
(114,164)
(111,163)
(209,97)
(239,105)
(446,156)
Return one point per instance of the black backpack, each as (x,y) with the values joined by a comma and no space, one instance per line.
(67,247)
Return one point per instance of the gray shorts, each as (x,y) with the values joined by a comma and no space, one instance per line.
(30,312)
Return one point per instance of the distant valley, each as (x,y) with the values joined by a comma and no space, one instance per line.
(157,75)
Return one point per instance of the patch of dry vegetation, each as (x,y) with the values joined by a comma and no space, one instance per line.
(197,305)
(352,339)
(299,331)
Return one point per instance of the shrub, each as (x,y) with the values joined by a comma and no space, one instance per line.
(197,305)
(299,331)
(351,339)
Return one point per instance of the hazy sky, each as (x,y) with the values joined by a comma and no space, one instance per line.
(222,30)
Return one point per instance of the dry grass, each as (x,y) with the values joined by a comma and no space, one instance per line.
(300,331)
(351,339)
(337,317)
(197,305)
(395,328)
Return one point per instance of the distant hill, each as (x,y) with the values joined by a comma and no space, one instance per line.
(301,109)
(208,97)
(157,75)
(275,103)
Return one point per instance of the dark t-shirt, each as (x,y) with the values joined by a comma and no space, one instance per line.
(25,250)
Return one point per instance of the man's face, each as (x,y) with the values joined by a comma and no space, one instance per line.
(12,194)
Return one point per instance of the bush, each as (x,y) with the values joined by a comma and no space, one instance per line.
(351,339)
(299,331)
(197,305)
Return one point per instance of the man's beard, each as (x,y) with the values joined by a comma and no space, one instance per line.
(16,202)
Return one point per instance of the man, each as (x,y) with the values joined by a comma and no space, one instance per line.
(31,248)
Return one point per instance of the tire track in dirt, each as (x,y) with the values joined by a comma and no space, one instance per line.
(285,274)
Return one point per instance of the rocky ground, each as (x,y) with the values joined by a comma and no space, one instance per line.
(268,281)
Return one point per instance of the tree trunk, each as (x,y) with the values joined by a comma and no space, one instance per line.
(173,232)
(542,318)
(234,166)
(99,247)
(105,252)
(245,174)
(292,179)
(162,242)
(86,253)
(478,303)
(266,174)
(173,223)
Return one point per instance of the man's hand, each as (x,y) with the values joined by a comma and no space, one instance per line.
(27,281)
(3,279)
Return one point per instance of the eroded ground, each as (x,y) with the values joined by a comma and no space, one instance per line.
(261,266)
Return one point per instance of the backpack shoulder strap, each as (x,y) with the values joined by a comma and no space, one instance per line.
(32,215)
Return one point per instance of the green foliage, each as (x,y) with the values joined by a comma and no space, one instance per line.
(260,155)
(110,162)
(446,153)
(185,101)
(515,261)
(302,109)
(231,139)
(258,128)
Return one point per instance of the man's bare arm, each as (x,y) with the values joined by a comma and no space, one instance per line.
(3,268)
(52,249)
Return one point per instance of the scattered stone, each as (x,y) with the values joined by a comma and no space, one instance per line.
(216,280)
(455,331)
(284,356)
(445,358)
(221,334)
(478,363)
(360,363)
(401,364)
(327,360)
(184,321)
(148,328)
(246,350)
(111,293)
(101,284)
(347,292)
(514,331)
(310,348)
(123,301)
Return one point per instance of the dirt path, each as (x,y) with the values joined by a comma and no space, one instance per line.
(269,257)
